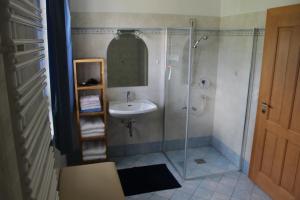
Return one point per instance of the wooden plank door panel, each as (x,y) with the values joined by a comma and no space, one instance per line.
(275,163)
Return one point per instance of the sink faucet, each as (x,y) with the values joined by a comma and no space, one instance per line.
(127,97)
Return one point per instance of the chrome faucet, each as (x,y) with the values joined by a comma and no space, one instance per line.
(127,97)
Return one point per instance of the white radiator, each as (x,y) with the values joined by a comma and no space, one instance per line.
(23,50)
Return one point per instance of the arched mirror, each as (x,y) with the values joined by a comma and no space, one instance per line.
(127,60)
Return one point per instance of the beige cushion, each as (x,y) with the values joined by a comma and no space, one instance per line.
(91,182)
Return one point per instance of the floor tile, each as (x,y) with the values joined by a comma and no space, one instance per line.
(232,185)
(203,193)
(157,197)
(181,196)
(215,162)
(224,189)
(141,196)
(166,193)
(218,196)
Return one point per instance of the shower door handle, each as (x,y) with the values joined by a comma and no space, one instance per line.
(170,72)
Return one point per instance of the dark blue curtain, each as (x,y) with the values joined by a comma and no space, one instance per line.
(61,76)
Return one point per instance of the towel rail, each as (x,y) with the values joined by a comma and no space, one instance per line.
(41,108)
(38,86)
(31,101)
(21,20)
(22,88)
(43,157)
(38,170)
(35,50)
(44,169)
(27,41)
(51,187)
(31,5)
(45,184)
(37,128)
(16,6)
(51,194)
(21,65)
(30,122)
(44,138)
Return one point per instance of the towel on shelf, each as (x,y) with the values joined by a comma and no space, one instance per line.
(88,132)
(93,134)
(93,126)
(91,123)
(93,148)
(88,158)
(90,102)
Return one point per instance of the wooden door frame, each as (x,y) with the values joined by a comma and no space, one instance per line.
(273,13)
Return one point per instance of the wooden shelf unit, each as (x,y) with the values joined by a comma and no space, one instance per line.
(102,114)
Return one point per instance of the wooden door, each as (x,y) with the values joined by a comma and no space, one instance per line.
(275,162)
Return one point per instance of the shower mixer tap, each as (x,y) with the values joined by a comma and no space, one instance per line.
(127,96)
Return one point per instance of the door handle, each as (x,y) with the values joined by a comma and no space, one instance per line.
(265,107)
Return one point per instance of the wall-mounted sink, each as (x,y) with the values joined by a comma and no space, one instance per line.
(131,109)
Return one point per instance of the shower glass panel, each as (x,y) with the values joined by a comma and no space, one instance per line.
(210,99)
(178,59)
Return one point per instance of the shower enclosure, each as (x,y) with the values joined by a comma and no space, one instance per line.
(208,99)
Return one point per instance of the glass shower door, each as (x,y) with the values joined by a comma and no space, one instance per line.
(178,61)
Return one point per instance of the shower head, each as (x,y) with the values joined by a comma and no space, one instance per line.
(204,37)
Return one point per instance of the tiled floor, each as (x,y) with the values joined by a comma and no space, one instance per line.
(215,162)
(230,186)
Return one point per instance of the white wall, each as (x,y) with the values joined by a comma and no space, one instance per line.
(186,7)
(236,7)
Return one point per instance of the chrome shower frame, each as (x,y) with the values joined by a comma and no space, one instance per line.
(193,44)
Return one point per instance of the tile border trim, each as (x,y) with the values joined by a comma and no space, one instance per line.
(158,31)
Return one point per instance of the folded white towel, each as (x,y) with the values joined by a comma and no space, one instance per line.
(89,99)
(93,148)
(88,158)
(92,131)
(93,153)
(90,107)
(91,123)
(93,134)
(91,104)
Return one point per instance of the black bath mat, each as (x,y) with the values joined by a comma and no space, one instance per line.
(138,180)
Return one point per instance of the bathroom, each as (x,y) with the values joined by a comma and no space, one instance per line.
(169,48)
(177,90)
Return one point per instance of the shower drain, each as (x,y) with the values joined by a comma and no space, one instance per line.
(200,161)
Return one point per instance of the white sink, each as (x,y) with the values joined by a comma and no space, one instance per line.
(131,109)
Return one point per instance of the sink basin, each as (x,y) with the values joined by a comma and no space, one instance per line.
(131,109)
